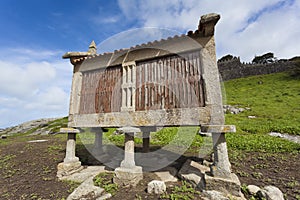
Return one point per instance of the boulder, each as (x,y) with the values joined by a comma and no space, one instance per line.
(168,174)
(214,195)
(156,187)
(270,193)
(253,189)
(228,186)
(86,190)
(193,173)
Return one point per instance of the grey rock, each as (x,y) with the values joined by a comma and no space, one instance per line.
(168,174)
(253,189)
(86,189)
(228,186)
(251,117)
(214,195)
(4,136)
(156,187)
(105,196)
(292,138)
(270,193)
(193,173)
(234,109)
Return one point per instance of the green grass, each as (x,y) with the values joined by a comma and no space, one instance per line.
(185,192)
(273,99)
(105,181)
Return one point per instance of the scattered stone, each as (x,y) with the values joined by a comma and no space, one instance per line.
(193,173)
(37,141)
(230,185)
(270,193)
(234,109)
(128,176)
(292,138)
(207,163)
(253,189)
(3,136)
(156,187)
(86,190)
(214,195)
(251,117)
(168,174)
(105,196)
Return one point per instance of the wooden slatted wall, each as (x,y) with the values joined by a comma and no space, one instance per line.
(169,82)
(101,91)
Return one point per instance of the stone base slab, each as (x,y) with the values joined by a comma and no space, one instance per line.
(230,185)
(128,176)
(66,169)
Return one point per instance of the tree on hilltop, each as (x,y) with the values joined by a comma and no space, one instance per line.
(265,58)
(227,57)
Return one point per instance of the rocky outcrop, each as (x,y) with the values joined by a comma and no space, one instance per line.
(43,126)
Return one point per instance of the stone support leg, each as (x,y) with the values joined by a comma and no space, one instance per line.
(71,163)
(70,149)
(146,142)
(128,161)
(221,166)
(97,149)
(128,174)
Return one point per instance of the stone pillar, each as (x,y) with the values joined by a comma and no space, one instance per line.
(146,142)
(71,163)
(70,148)
(97,149)
(128,161)
(128,174)
(222,179)
(221,166)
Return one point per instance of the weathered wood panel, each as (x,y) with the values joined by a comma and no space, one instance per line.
(101,91)
(170,82)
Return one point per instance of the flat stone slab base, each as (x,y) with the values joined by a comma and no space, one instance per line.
(66,169)
(230,185)
(128,176)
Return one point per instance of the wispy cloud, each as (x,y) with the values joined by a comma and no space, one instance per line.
(246,28)
(268,9)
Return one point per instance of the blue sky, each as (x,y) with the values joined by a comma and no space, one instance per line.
(35,82)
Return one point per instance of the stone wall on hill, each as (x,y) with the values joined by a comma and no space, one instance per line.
(233,68)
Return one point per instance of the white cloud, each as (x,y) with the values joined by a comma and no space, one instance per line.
(33,84)
(267,25)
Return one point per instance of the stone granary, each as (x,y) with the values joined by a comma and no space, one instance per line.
(171,82)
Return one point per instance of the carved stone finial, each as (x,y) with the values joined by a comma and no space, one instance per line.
(207,24)
(92,48)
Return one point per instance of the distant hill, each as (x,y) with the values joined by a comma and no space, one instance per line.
(37,127)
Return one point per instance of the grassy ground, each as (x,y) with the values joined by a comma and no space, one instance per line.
(273,99)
